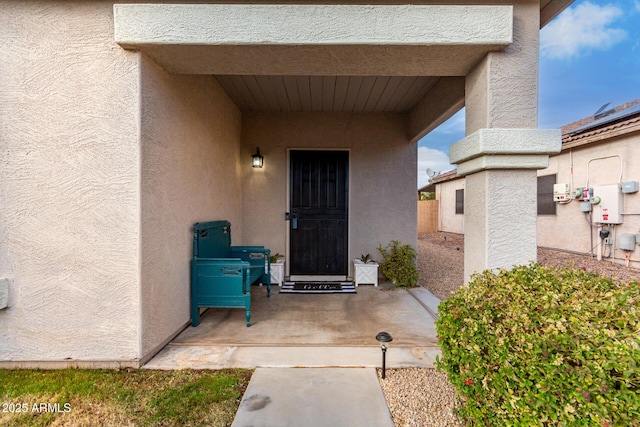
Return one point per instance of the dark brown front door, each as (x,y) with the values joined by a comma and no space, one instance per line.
(319,212)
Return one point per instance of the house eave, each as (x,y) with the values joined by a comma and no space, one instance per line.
(604,133)
(314,39)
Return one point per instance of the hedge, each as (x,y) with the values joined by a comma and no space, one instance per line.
(541,346)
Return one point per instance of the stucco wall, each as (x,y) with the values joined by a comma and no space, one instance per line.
(568,229)
(448,219)
(69,184)
(190,173)
(382,202)
(502,90)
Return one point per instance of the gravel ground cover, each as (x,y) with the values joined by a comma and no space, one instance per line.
(420,397)
(424,397)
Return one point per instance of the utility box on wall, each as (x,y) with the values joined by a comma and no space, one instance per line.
(4,293)
(608,209)
(627,242)
(561,192)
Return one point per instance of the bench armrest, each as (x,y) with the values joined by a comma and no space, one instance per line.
(234,260)
(254,249)
(255,255)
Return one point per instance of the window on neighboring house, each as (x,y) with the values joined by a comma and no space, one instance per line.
(460,201)
(546,205)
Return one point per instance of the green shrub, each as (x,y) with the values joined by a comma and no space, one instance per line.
(399,264)
(539,346)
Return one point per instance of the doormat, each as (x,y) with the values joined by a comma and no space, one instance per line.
(317,288)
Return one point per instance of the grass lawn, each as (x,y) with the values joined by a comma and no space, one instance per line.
(128,397)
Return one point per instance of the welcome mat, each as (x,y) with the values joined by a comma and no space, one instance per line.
(317,288)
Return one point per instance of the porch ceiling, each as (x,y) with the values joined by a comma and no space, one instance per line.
(353,94)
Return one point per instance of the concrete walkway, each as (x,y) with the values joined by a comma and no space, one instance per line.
(313,397)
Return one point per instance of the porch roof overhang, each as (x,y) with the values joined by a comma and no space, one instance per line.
(304,39)
(408,59)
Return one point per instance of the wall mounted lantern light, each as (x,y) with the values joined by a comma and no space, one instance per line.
(256,159)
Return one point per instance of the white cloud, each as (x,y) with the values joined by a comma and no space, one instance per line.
(581,29)
(454,123)
(434,159)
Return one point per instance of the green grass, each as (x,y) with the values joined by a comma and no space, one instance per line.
(120,397)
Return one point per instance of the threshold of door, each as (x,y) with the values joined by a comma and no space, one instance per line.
(303,278)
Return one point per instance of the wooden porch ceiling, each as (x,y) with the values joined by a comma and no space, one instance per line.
(351,94)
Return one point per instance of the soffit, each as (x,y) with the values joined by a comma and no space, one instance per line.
(549,9)
(352,94)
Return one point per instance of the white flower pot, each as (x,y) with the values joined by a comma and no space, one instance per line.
(365,273)
(277,272)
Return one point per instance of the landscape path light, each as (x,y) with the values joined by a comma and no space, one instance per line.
(384,338)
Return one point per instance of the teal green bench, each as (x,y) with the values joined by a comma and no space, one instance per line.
(221,274)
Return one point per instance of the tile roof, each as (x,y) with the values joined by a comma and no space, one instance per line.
(445,176)
(574,126)
(624,119)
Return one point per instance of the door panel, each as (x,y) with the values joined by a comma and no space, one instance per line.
(318,199)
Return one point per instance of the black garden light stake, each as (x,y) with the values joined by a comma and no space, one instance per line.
(383,338)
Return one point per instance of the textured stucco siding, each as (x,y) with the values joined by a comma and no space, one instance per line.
(321,39)
(190,172)
(448,220)
(308,24)
(69,184)
(498,230)
(568,229)
(382,175)
(502,90)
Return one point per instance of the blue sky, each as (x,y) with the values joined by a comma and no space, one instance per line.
(589,56)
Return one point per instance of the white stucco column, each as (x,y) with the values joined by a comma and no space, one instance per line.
(502,151)
(500,194)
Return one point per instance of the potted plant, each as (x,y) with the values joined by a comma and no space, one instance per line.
(277,268)
(365,270)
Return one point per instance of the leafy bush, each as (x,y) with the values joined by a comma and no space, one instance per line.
(398,264)
(539,346)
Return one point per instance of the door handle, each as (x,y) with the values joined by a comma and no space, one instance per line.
(294,219)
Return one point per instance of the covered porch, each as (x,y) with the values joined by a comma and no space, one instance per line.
(365,80)
(159,107)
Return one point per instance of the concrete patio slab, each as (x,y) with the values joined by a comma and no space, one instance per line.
(310,330)
(313,397)
(312,319)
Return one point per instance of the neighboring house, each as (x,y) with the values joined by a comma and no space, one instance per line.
(603,151)
(449,189)
(121,125)
(596,151)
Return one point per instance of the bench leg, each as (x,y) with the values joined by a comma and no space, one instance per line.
(195,311)
(266,279)
(195,316)
(247,300)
